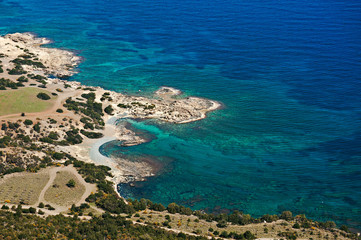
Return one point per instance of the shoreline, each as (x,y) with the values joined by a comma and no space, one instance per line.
(25,51)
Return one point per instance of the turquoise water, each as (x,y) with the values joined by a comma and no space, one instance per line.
(287,72)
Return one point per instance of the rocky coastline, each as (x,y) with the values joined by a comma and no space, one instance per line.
(23,56)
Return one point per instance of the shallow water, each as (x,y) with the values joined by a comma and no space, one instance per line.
(288,73)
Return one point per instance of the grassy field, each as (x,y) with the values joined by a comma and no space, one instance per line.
(59,193)
(25,187)
(23,100)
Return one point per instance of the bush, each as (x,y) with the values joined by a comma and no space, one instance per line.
(37,127)
(17,70)
(249,235)
(91,134)
(71,183)
(296,225)
(286,215)
(53,135)
(109,109)
(40,212)
(32,210)
(43,96)
(344,228)
(22,79)
(28,122)
(59,110)
(222,224)
(58,156)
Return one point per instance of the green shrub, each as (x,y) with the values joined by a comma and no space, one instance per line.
(286,215)
(58,156)
(71,183)
(36,127)
(40,212)
(28,122)
(17,70)
(296,226)
(91,134)
(344,228)
(43,96)
(109,109)
(22,79)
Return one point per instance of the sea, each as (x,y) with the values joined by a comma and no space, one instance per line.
(287,72)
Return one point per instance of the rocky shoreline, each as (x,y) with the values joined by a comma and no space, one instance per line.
(23,52)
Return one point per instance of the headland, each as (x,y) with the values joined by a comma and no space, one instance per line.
(86,110)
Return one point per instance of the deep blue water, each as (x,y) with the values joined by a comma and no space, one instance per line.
(288,73)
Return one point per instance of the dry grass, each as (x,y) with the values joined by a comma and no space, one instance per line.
(24,187)
(192,224)
(59,193)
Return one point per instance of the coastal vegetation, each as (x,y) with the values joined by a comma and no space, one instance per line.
(7,83)
(17,70)
(93,110)
(91,134)
(26,226)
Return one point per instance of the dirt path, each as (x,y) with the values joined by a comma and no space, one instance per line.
(89,188)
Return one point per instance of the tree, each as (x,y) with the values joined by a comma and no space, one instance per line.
(28,122)
(109,109)
(43,96)
(71,183)
(19,211)
(248,235)
(296,225)
(32,210)
(37,127)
